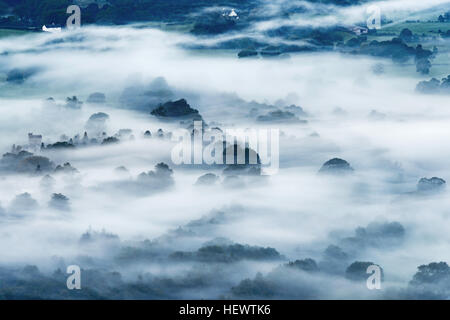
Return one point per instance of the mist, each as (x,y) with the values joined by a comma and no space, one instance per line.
(154,229)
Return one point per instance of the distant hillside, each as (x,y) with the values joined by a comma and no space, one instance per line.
(35,13)
(202,17)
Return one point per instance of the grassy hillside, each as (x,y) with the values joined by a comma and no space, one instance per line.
(11,32)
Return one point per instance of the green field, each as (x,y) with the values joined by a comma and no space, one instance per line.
(170,27)
(12,32)
(419,28)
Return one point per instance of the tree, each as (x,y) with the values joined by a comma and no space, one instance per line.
(431,273)
(423,66)
(357,271)
(406,35)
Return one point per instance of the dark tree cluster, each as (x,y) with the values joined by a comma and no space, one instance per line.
(434,86)
(228,253)
(179,109)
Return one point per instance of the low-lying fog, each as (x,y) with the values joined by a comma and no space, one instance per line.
(391,136)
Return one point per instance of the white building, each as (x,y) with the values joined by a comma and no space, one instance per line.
(231,14)
(359,30)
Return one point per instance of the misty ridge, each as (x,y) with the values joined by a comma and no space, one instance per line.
(87,127)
